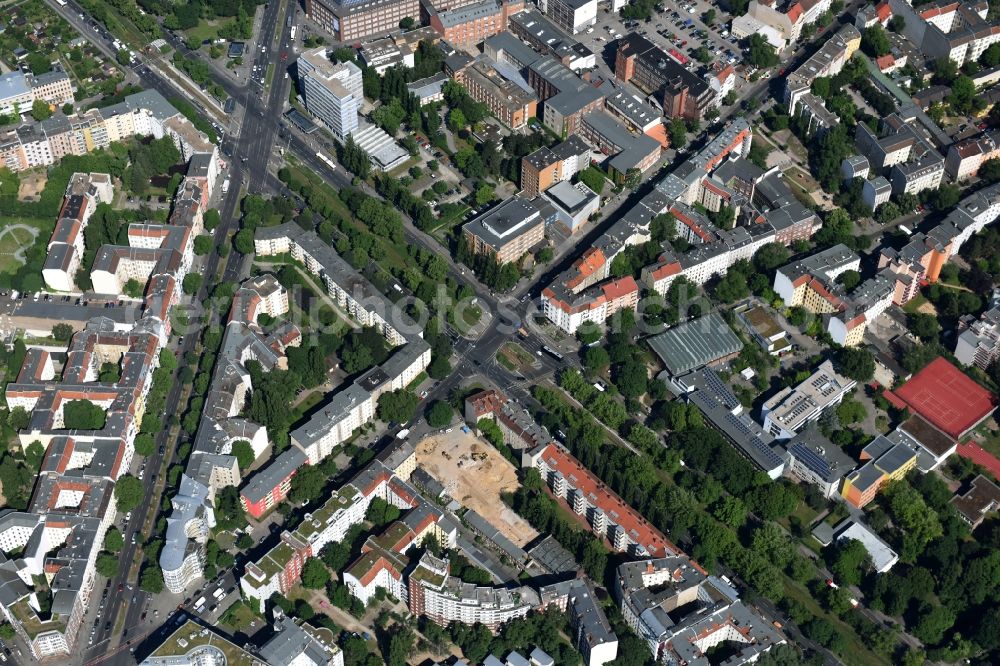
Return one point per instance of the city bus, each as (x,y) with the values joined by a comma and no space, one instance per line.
(552,352)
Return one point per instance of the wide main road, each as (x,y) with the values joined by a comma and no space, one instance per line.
(247,155)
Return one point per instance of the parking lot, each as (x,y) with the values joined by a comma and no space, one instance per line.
(679,29)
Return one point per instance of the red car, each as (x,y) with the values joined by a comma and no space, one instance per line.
(284,55)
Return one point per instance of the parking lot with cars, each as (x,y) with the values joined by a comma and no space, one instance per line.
(679,29)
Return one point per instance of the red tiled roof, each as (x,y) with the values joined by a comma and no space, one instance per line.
(619,288)
(614,507)
(883,11)
(659,132)
(666,270)
(589,262)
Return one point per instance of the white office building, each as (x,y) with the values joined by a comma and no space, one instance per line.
(333,92)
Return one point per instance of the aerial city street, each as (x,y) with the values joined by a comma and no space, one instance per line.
(488,332)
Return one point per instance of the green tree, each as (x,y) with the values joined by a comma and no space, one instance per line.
(933,622)
(875,42)
(202,245)
(243,241)
(484,194)
(152,579)
(761,53)
(211,219)
(440,414)
(191,284)
(397,406)
(851,411)
(848,560)
(128,493)
(849,279)
(857,364)
(924,326)
(307,484)
(963,98)
(381,513)
(18,418)
(631,378)
(456,120)
(596,359)
(144,444)
(33,456)
(62,332)
(133,288)
(770,256)
(83,415)
(107,565)
(314,574)
(113,540)
(244,453)
(678,133)
(40,110)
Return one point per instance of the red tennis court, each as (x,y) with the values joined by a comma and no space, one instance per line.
(943,395)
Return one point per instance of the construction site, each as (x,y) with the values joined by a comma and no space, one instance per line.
(475,475)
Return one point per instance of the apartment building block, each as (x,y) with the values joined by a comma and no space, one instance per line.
(978,342)
(965,157)
(683,94)
(353,20)
(681,613)
(542,35)
(607,514)
(792,409)
(507,231)
(506,98)
(443,599)
(468,24)
(959,31)
(56,539)
(779,21)
(573,16)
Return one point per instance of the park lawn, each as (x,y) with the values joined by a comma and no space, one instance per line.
(311,401)
(15,239)
(469,318)
(240,617)
(446,225)
(403,168)
(990,440)
(122,27)
(803,512)
(519,352)
(417,381)
(396,256)
(319,186)
(914,305)
(855,652)
(204,30)
(505,361)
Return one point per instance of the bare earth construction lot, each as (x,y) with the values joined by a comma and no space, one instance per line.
(475,474)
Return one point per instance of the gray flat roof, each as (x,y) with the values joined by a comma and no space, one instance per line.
(503,223)
(695,343)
